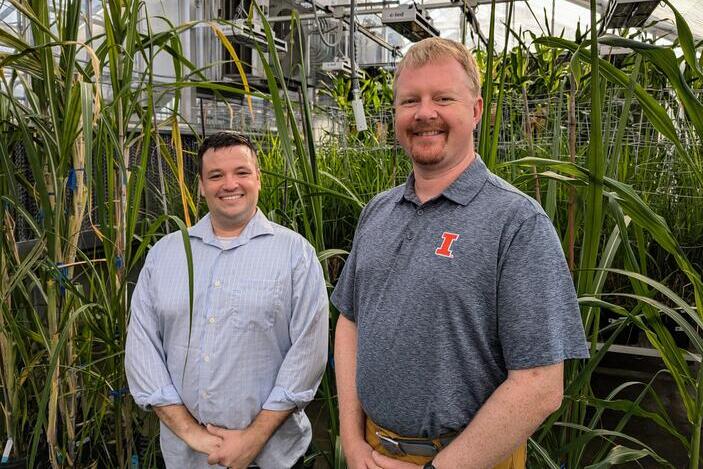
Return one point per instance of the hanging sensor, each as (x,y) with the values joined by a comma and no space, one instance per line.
(359,116)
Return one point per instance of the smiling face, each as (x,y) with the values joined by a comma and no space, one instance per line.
(436,113)
(230,183)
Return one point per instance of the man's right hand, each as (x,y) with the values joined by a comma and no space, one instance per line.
(358,456)
(351,416)
(202,441)
(180,421)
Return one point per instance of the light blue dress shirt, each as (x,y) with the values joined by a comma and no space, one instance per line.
(258,338)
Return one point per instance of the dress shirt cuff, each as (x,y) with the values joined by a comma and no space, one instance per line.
(282,399)
(161,397)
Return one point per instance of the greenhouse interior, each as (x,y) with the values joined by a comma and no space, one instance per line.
(588,112)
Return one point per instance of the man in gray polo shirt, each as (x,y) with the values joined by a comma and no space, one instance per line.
(458,308)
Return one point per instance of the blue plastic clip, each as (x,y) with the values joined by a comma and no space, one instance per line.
(118,393)
(118,262)
(63,279)
(135,461)
(72,183)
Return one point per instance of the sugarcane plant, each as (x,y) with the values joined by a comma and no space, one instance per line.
(87,115)
(603,191)
(67,344)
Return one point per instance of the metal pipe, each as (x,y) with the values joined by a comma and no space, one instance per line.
(377,10)
(362,29)
(352,48)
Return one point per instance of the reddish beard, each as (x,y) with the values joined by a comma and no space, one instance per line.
(427,153)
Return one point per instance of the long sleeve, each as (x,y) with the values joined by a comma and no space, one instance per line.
(303,366)
(145,361)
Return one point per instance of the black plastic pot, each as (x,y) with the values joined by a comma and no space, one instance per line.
(20,463)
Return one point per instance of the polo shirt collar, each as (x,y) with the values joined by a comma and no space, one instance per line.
(257,226)
(461,191)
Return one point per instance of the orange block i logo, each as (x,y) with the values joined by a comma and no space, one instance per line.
(445,250)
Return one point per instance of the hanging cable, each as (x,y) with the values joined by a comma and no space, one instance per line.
(318,22)
(475,25)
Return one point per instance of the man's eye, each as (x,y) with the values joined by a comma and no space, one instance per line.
(215,176)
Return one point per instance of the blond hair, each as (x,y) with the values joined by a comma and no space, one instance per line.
(437,48)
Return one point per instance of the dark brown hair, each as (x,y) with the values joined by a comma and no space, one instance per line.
(223,140)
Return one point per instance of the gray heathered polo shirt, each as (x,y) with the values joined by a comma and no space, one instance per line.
(449,295)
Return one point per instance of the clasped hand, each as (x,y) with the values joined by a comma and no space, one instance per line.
(230,448)
(235,449)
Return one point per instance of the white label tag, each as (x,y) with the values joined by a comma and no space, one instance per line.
(6,452)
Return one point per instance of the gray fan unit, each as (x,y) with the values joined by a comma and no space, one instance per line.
(323,58)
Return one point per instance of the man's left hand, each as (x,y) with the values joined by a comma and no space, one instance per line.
(389,463)
(238,448)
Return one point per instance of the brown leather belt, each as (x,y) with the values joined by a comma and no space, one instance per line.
(398,445)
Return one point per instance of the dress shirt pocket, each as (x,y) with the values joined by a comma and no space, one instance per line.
(256,304)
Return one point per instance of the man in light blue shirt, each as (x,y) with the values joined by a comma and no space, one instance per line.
(230,385)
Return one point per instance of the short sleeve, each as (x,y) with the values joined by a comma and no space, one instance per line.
(539,322)
(343,295)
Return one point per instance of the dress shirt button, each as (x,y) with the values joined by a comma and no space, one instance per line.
(205,395)
(217,284)
(409,235)
(206,358)
(211,320)
(420,211)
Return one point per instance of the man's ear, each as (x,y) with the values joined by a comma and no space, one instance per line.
(478,109)
(200,186)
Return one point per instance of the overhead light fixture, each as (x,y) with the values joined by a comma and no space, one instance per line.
(410,21)
(253,35)
(629,13)
(605,50)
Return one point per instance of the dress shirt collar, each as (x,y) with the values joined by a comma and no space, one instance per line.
(461,191)
(257,226)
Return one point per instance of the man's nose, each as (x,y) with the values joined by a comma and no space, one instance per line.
(425,110)
(231,182)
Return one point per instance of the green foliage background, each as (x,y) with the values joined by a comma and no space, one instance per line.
(87,125)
